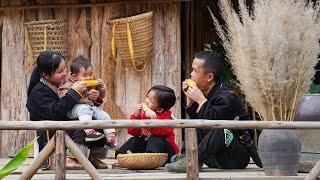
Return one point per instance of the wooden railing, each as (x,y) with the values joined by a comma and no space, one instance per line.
(62,141)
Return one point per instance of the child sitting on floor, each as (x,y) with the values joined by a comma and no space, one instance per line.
(86,109)
(159,101)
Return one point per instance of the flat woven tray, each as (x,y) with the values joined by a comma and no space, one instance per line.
(142,160)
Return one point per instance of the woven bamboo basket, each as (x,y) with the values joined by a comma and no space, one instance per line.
(46,35)
(142,160)
(139,30)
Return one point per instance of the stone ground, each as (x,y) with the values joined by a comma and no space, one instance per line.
(250,173)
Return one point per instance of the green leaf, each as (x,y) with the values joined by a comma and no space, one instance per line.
(207,47)
(17,160)
(314,89)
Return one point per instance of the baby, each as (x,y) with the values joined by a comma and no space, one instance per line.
(87,108)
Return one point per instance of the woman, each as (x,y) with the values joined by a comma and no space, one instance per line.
(43,102)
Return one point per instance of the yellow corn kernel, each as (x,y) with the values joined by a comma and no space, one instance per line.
(144,106)
(91,83)
(190,82)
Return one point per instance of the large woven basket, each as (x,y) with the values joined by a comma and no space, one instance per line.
(142,160)
(46,35)
(140,27)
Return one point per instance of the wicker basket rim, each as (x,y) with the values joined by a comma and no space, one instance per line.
(135,17)
(45,21)
(142,154)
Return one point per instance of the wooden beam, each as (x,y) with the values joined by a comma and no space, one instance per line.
(195,123)
(314,173)
(60,155)
(82,159)
(43,156)
(192,154)
(82,5)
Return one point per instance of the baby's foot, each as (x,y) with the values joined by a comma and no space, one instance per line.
(93,135)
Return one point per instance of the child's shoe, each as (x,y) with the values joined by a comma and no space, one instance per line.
(177,157)
(93,135)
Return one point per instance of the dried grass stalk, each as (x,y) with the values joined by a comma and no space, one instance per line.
(273,51)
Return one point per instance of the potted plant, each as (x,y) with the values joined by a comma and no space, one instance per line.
(273,48)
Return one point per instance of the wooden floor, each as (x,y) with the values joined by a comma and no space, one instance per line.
(250,173)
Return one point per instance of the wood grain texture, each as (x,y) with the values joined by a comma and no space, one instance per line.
(36,164)
(89,35)
(151,123)
(192,154)
(13,80)
(60,155)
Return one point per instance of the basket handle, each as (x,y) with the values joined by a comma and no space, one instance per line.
(130,44)
(113,51)
(45,38)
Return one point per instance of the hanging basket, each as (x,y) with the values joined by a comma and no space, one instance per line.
(132,38)
(45,35)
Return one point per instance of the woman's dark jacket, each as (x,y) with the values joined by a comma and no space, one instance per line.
(44,104)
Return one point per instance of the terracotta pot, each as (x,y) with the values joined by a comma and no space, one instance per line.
(279,150)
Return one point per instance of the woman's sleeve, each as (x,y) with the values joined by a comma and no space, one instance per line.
(52,109)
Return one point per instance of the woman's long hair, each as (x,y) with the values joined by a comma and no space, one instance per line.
(47,63)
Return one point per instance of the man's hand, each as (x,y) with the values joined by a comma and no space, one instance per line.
(93,94)
(185,88)
(195,94)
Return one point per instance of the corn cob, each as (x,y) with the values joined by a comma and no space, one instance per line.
(190,82)
(91,83)
(144,106)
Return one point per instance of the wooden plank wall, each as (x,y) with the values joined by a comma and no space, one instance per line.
(90,36)
(13,80)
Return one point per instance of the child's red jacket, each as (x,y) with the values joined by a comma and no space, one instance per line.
(168,133)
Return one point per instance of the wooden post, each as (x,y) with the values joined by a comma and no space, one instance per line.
(314,173)
(60,157)
(192,154)
(82,159)
(43,156)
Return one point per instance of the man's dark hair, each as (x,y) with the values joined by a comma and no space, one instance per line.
(79,62)
(213,63)
(165,96)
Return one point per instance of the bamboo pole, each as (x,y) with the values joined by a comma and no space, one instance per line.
(314,173)
(43,156)
(192,154)
(82,5)
(60,157)
(195,123)
(82,159)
